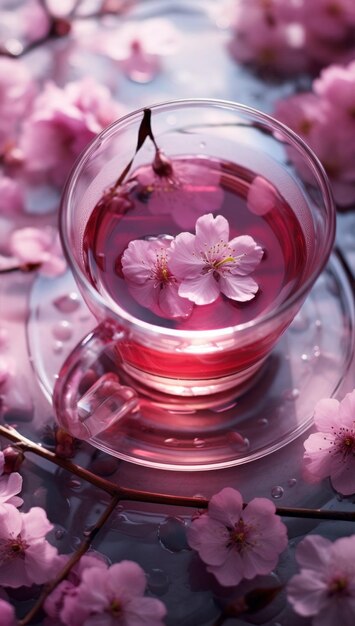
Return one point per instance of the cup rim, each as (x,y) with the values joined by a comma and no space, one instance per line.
(318,171)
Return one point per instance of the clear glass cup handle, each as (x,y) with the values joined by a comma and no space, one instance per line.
(86,398)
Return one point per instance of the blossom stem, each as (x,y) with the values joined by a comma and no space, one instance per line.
(82,549)
(136,495)
(25,267)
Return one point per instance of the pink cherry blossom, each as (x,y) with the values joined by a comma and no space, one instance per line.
(184,190)
(7,614)
(55,601)
(17,90)
(325,586)
(26,557)
(62,123)
(207,264)
(146,268)
(238,543)
(10,486)
(111,596)
(11,196)
(331,450)
(34,245)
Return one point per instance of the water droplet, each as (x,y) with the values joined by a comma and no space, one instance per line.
(59,533)
(158,582)
(300,322)
(68,303)
(316,351)
(292,482)
(171,441)
(74,483)
(172,534)
(62,330)
(198,443)
(277,492)
(292,394)
(242,444)
(263,421)
(58,347)
(304,357)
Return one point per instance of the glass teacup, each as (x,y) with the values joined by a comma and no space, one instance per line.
(194,241)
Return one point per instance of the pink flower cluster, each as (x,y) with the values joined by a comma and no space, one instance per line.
(285,37)
(170,275)
(325,119)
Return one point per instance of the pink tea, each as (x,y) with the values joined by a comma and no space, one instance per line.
(279,273)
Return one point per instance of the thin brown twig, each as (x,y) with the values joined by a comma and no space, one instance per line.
(136,495)
(82,549)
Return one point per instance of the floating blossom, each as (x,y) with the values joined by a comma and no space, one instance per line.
(26,557)
(62,124)
(208,264)
(7,612)
(10,486)
(113,596)
(146,268)
(238,543)
(331,450)
(183,190)
(38,246)
(325,586)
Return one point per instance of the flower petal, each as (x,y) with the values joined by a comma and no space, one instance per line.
(201,290)
(211,229)
(239,288)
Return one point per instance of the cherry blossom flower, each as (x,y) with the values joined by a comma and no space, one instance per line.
(42,246)
(62,123)
(54,602)
(146,268)
(325,586)
(10,486)
(207,264)
(331,450)
(184,190)
(17,90)
(140,66)
(7,613)
(11,196)
(26,557)
(324,118)
(238,543)
(111,596)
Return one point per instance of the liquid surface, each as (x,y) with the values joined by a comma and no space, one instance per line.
(108,233)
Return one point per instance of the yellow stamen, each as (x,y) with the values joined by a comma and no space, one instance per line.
(228,259)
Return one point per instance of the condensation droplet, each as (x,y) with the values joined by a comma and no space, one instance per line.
(316,351)
(263,421)
(58,347)
(67,303)
(277,492)
(171,441)
(74,483)
(304,357)
(198,443)
(59,533)
(300,322)
(158,582)
(292,482)
(292,394)
(240,443)
(172,534)
(62,330)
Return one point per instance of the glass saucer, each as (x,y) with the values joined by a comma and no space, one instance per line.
(310,362)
